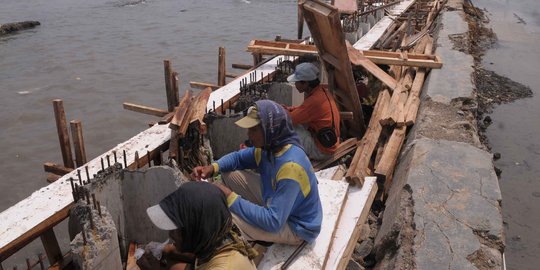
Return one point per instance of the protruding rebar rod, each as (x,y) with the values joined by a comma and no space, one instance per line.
(72,186)
(41,264)
(91,218)
(87,174)
(87,195)
(102,165)
(115,159)
(94,200)
(148,158)
(125,159)
(108,161)
(79,175)
(83,232)
(99,208)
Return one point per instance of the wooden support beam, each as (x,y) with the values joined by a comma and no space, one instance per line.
(324,24)
(230,75)
(78,142)
(63,136)
(50,244)
(27,237)
(182,113)
(203,85)
(358,59)
(199,109)
(412,104)
(144,109)
(390,155)
(56,168)
(221,67)
(375,56)
(368,142)
(300,20)
(168,85)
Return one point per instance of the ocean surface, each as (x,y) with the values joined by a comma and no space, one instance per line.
(97,54)
(515,132)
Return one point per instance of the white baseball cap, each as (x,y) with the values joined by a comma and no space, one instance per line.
(304,72)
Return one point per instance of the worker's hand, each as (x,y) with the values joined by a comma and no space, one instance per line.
(202,172)
(223,188)
(148,262)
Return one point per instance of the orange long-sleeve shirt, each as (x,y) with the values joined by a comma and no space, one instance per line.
(314,113)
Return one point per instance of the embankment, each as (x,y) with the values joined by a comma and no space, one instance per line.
(444,208)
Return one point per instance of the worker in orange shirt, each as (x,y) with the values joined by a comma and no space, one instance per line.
(317,119)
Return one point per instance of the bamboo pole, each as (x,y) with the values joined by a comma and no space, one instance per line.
(78,142)
(221,67)
(63,136)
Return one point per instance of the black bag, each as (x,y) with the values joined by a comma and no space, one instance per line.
(327,135)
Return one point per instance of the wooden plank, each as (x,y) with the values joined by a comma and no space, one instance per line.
(50,244)
(203,85)
(63,135)
(412,104)
(355,212)
(358,59)
(344,148)
(30,217)
(182,113)
(332,194)
(390,155)
(199,108)
(144,109)
(368,40)
(370,139)
(28,234)
(56,168)
(324,23)
(221,67)
(78,142)
(377,57)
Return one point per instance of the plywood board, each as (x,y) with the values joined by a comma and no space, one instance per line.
(332,195)
(354,214)
(367,41)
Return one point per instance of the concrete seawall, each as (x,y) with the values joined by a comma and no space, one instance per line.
(444,208)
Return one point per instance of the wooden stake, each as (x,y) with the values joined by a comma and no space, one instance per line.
(221,67)
(300,20)
(52,249)
(168,85)
(389,158)
(78,142)
(63,136)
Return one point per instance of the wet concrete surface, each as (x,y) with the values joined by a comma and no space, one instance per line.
(515,128)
